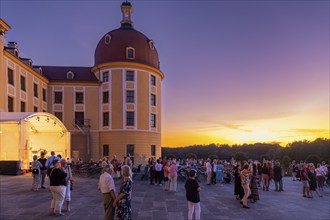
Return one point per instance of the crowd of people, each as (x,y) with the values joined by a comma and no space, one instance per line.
(249,177)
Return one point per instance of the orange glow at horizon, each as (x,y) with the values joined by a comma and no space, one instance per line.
(282,130)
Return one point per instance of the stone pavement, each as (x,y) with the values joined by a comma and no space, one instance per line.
(151,202)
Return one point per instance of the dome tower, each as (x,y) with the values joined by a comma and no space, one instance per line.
(127,65)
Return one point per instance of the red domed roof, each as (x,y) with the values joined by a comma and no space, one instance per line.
(113,45)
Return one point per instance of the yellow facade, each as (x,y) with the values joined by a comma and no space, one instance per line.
(133,125)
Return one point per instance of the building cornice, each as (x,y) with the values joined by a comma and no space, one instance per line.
(127,65)
(25,66)
(4,26)
(74,83)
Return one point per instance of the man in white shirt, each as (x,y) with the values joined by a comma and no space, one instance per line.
(108,189)
(158,168)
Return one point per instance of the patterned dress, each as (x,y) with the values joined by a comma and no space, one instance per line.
(124,205)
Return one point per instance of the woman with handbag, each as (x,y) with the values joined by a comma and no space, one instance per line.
(57,187)
(68,180)
(36,165)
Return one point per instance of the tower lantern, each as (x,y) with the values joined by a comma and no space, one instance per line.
(127,10)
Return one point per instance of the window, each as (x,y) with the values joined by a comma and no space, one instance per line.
(107,39)
(105,97)
(152,44)
(153,99)
(10,76)
(130,53)
(79,98)
(153,150)
(44,94)
(79,118)
(23,83)
(10,104)
(35,90)
(130,150)
(59,115)
(105,77)
(35,109)
(129,75)
(58,97)
(153,120)
(105,150)
(22,106)
(153,80)
(105,119)
(130,118)
(70,75)
(130,96)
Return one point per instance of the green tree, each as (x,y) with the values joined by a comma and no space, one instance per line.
(286,163)
(265,157)
(212,157)
(240,156)
(313,158)
(191,156)
(170,156)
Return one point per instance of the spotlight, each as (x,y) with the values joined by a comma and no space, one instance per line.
(38,118)
(47,119)
(54,123)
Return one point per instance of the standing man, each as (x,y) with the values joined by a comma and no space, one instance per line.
(43,169)
(108,189)
(192,194)
(49,162)
(278,177)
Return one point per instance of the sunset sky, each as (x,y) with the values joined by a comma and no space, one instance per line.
(235,71)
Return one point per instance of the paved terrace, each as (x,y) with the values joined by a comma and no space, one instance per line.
(151,202)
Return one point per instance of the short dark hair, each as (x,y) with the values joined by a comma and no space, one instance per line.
(54,162)
(192,173)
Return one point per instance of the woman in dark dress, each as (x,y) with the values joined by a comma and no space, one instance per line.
(123,201)
(312,180)
(253,184)
(239,191)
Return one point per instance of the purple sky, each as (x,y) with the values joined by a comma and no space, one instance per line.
(235,71)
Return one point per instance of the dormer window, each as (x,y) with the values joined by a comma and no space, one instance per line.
(40,70)
(30,63)
(107,39)
(69,75)
(152,44)
(130,53)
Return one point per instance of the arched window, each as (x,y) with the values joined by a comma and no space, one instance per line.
(130,53)
(152,44)
(107,39)
(69,75)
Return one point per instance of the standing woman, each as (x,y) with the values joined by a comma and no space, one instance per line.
(219,172)
(166,179)
(68,180)
(245,179)
(238,191)
(123,201)
(265,177)
(254,186)
(173,175)
(57,187)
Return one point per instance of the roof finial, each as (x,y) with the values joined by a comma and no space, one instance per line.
(127,10)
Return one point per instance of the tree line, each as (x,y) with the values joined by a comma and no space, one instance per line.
(307,151)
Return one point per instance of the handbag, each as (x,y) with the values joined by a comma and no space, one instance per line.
(165,178)
(35,171)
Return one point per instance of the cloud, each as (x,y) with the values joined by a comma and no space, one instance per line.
(270,115)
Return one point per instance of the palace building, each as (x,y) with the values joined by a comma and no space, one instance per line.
(111,108)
